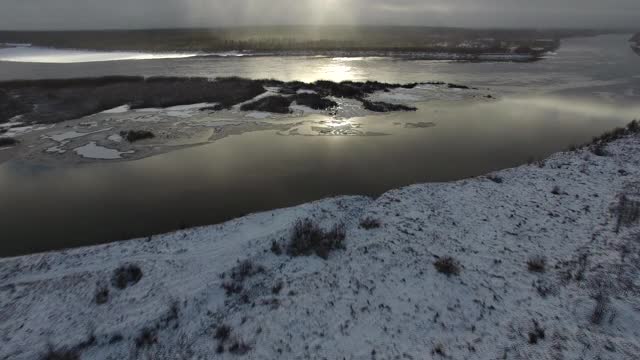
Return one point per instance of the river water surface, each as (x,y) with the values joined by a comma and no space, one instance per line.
(589,86)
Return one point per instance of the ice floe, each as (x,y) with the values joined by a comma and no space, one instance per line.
(94,151)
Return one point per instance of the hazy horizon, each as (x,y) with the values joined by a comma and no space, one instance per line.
(21,15)
(630,29)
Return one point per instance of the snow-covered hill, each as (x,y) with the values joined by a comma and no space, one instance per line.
(545,265)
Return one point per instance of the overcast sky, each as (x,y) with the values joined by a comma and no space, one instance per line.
(100,14)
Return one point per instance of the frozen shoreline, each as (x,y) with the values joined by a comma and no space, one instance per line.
(379,298)
(191,124)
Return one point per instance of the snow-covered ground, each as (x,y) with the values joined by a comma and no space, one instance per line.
(381,297)
(37,54)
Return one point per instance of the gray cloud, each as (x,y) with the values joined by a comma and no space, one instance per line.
(92,14)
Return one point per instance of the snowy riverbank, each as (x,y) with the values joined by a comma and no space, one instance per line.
(548,261)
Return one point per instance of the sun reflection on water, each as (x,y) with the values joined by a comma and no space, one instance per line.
(338,70)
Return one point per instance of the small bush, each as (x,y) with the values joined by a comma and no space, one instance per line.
(275,248)
(447,265)
(275,290)
(126,276)
(628,212)
(245,269)
(136,135)
(232,287)
(7,141)
(599,150)
(146,338)
(537,264)
(61,354)
(370,223)
(116,338)
(556,190)
(308,238)
(239,274)
(495,178)
(222,333)
(538,333)
(102,295)
(600,309)
(438,350)
(544,288)
(239,347)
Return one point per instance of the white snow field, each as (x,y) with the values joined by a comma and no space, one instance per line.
(36,54)
(549,265)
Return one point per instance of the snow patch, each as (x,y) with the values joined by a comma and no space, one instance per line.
(93,151)
(115,138)
(306,91)
(60,56)
(258,115)
(72,135)
(117,110)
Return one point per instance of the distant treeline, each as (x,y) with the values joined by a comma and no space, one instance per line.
(290,38)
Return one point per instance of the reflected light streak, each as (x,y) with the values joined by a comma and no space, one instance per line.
(583,108)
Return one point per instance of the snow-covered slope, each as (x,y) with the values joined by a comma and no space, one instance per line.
(381,297)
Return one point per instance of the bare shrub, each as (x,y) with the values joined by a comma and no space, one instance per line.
(308,238)
(537,264)
(447,265)
(245,269)
(556,190)
(369,223)
(537,334)
(438,349)
(239,274)
(600,309)
(222,333)
(146,338)
(276,248)
(102,294)
(628,212)
(239,347)
(634,127)
(232,287)
(277,288)
(617,133)
(599,149)
(126,276)
(582,265)
(61,354)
